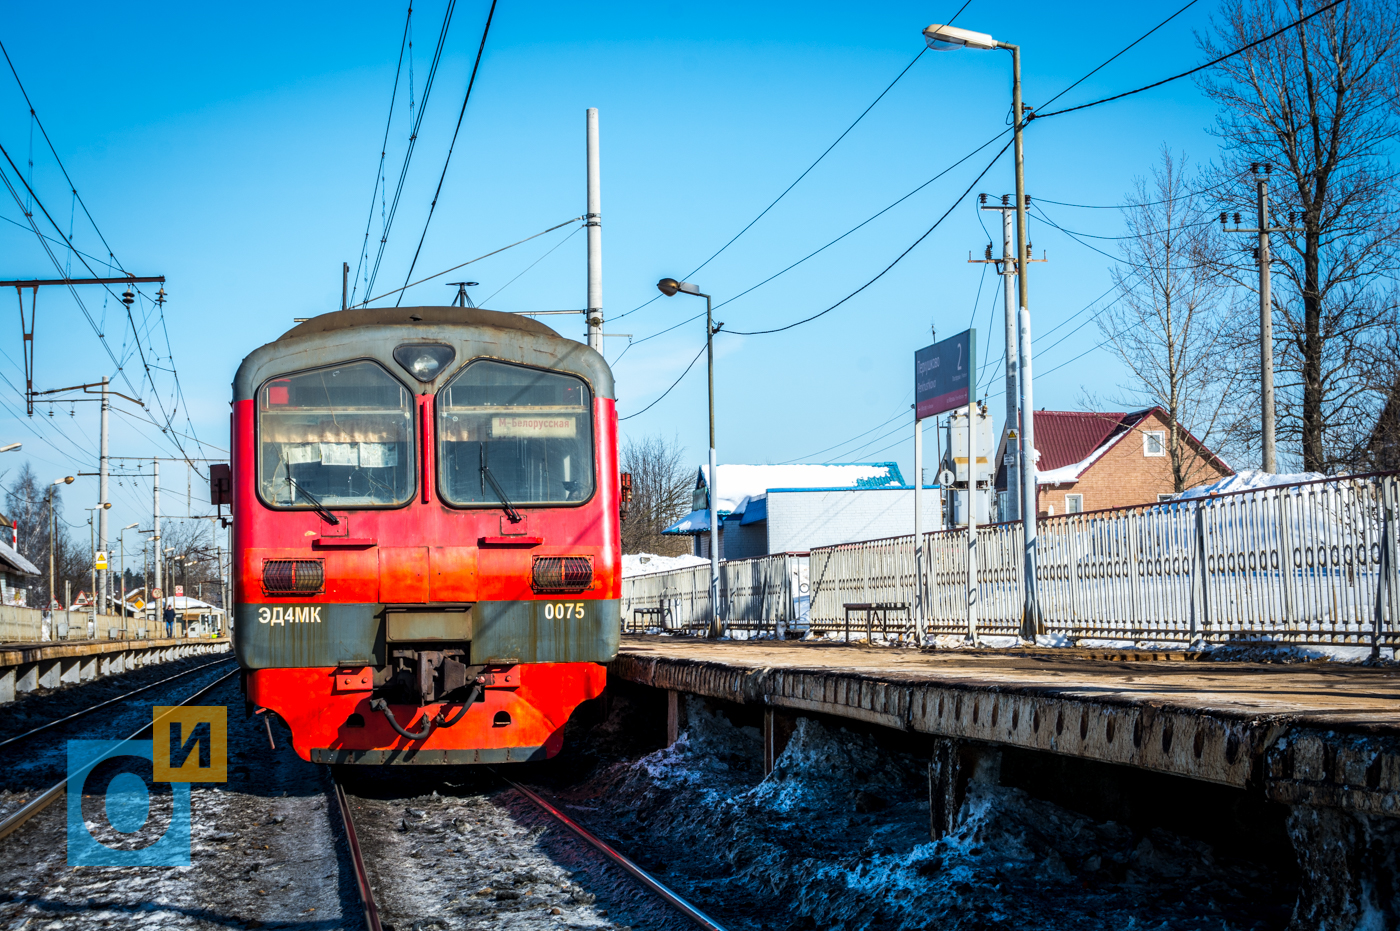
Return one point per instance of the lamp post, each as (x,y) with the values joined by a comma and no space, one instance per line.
(68,480)
(670,287)
(947,38)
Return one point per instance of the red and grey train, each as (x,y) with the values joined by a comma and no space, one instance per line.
(426,522)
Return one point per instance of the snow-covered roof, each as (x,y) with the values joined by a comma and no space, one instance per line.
(15,561)
(739,484)
(647,563)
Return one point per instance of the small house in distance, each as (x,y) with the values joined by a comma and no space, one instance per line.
(16,575)
(1090,460)
(791,508)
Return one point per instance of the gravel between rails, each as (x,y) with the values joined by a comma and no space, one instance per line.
(469,853)
(265,851)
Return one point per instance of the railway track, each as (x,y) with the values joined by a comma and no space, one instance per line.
(43,800)
(111,701)
(367,855)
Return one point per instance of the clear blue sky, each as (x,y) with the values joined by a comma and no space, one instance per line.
(234,150)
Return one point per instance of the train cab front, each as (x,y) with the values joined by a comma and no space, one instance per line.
(426,523)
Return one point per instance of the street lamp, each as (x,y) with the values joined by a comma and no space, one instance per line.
(951,38)
(67,480)
(10,447)
(670,287)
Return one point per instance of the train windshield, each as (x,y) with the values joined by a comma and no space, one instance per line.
(514,436)
(336,437)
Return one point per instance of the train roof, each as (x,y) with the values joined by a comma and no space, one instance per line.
(373,332)
(416,316)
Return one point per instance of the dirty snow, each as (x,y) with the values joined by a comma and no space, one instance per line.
(837,837)
(647,563)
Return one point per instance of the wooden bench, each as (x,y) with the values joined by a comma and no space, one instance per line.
(661,614)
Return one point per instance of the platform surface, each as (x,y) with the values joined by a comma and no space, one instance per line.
(1320,692)
(16,653)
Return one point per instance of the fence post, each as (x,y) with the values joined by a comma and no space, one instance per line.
(1382,577)
(1200,588)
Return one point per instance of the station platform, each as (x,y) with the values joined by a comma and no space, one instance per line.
(1315,734)
(25,667)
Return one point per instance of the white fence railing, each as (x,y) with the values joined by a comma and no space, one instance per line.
(763,593)
(1306,563)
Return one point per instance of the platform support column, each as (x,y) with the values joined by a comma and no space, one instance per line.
(673,716)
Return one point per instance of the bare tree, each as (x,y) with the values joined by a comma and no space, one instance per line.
(1165,326)
(661,490)
(29,503)
(1316,104)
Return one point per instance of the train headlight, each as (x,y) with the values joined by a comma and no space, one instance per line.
(562,574)
(424,361)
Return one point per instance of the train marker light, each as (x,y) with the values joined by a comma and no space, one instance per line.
(424,361)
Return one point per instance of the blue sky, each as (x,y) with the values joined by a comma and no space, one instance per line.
(235,150)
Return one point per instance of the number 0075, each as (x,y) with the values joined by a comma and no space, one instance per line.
(562,610)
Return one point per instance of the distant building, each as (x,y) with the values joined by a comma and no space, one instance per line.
(785,508)
(17,574)
(1090,460)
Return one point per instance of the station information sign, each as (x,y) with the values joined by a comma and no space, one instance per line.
(943,375)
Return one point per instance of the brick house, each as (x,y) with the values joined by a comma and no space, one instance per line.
(1090,460)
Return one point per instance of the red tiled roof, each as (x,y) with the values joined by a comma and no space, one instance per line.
(1066,437)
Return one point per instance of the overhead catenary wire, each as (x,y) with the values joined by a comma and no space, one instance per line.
(412,146)
(466,98)
(552,249)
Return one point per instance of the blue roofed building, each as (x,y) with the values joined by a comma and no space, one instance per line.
(791,508)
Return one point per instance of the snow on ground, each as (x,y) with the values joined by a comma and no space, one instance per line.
(837,837)
(647,563)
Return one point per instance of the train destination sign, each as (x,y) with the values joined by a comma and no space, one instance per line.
(943,375)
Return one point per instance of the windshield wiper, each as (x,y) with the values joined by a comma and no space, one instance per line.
(511,512)
(315,502)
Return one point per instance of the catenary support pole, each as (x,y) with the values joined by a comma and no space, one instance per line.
(344,285)
(1266,331)
(918,529)
(594,221)
(972,520)
(102,581)
(159,554)
(1013,398)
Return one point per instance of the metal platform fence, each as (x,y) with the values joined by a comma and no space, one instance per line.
(765,594)
(1305,563)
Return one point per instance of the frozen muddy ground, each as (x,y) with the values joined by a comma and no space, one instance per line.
(838,837)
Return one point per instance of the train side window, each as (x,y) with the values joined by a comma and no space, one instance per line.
(514,432)
(341,436)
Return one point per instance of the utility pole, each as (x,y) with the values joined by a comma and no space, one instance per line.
(155,510)
(101,585)
(1008,269)
(593,219)
(1266,302)
(344,285)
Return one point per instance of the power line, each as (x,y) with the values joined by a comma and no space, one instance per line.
(1176,77)
(886,269)
(668,390)
(527,268)
(471,82)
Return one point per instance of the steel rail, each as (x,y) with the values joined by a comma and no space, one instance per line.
(111,701)
(641,875)
(51,794)
(356,858)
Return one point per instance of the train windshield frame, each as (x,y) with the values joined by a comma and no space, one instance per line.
(338,436)
(511,435)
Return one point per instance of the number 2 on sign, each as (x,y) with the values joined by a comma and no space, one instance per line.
(563,610)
